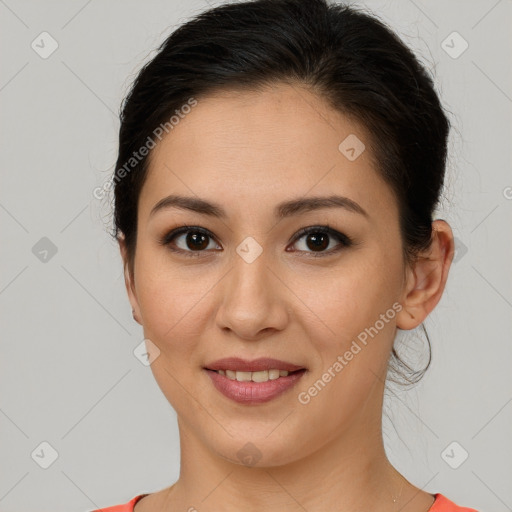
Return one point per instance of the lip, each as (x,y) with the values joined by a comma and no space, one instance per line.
(254,392)
(256,365)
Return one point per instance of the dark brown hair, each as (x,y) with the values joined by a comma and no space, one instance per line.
(348,57)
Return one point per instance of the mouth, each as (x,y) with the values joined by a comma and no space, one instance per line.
(237,364)
(252,382)
(259,376)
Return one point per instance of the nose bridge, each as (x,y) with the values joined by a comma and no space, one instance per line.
(249,276)
(251,301)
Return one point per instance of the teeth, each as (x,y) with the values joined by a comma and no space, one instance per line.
(243,376)
(262,376)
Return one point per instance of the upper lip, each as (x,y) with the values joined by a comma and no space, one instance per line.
(256,365)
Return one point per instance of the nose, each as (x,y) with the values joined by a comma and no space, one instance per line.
(252,300)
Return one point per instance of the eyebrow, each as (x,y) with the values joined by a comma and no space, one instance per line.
(282,210)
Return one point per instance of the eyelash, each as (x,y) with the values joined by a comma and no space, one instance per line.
(344,240)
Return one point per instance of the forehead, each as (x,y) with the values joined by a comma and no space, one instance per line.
(246,147)
(283,116)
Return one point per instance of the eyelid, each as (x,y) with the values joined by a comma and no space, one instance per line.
(344,241)
(173,233)
(325,228)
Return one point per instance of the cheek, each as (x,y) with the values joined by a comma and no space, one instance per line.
(347,299)
(353,341)
(172,301)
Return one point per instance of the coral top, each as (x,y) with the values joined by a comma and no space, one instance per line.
(441,504)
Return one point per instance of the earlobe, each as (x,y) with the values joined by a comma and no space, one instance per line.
(427,279)
(129,281)
(136,317)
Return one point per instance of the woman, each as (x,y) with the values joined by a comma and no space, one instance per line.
(279,165)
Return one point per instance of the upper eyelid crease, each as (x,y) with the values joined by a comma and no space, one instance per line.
(282,210)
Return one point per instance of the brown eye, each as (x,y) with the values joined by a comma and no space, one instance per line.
(195,241)
(317,241)
(188,240)
(319,238)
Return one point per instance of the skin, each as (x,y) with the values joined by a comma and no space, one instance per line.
(248,151)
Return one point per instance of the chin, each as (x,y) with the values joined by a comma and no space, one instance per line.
(257,451)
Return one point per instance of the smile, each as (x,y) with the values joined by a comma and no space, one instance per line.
(261,376)
(245,388)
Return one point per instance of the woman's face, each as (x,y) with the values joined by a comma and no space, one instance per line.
(255,288)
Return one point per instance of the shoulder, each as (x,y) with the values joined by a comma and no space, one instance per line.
(126,507)
(443,504)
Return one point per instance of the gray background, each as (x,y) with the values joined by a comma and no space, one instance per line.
(68,374)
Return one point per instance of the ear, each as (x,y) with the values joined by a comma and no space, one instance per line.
(427,278)
(129,280)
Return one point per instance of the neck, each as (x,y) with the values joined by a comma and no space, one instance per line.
(349,472)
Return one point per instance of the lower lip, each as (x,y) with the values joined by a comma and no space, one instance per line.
(253,392)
